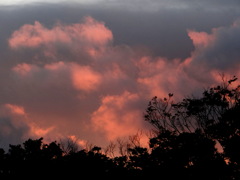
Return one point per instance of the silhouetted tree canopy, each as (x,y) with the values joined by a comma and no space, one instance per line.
(196,138)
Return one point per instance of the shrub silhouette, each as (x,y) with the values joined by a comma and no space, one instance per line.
(196,138)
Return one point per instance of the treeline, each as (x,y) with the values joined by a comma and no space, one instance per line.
(197,138)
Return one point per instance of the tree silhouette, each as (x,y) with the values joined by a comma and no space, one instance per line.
(196,138)
(194,113)
(188,131)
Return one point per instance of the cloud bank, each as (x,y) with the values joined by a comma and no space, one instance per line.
(74,79)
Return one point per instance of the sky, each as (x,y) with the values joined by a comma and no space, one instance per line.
(86,70)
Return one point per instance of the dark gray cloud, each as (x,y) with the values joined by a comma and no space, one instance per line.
(164,31)
(218,49)
(224,53)
(13,128)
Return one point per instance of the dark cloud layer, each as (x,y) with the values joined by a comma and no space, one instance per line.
(133,27)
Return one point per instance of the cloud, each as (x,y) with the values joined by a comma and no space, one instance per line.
(75,80)
(15,109)
(200,39)
(140,3)
(132,22)
(90,37)
(15,127)
(216,51)
(90,32)
(84,78)
(159,76)
(25,69)
(117,116)
(12,125)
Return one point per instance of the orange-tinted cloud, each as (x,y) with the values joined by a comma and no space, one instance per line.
(160,76)
(117,116)
(19,118)
(81,143)
(36,131)
(15,127)
(71,81)
(25,69)
(200,38)
(95,32)
(84,78)
(15,109)
(90,32)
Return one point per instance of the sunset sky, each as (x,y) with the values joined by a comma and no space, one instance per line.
(86,69)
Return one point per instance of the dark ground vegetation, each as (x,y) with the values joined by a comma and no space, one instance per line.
(196,138)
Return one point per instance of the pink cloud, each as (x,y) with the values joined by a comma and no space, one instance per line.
(116,116)
(160,76)
(16,109)
(81,143)
(90,35)
(19,119)
(15,125)
(82,77)
(28,35)
(63,74)
(105,88)
(200,38)
(25,69)
(85,78)
(55,66)
(95,32)
(36,131)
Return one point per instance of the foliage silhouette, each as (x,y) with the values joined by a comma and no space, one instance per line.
(196,138)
